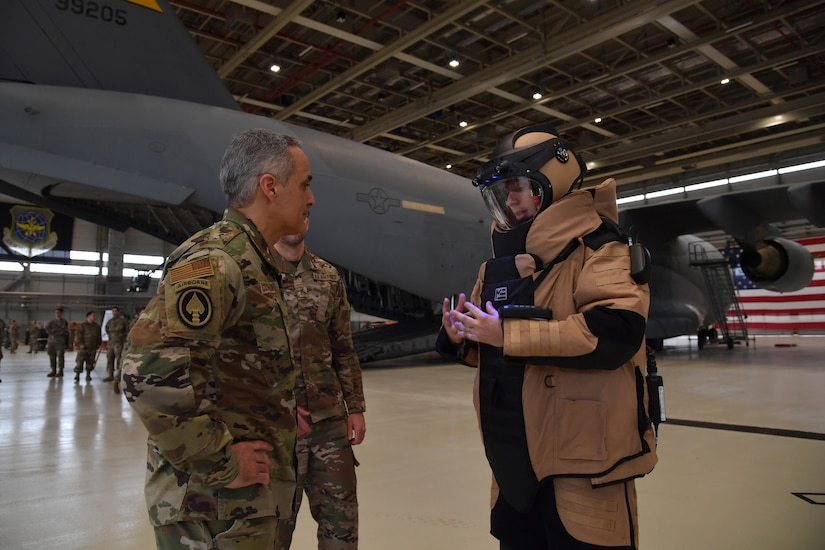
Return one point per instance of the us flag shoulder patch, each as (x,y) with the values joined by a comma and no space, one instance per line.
(191,270)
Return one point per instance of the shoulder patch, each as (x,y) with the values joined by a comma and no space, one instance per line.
(198,268)
(194,308)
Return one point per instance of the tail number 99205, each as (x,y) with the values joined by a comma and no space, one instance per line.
(93,10)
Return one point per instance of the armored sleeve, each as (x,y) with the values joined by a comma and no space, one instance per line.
(168,370)
(344,357)
(606,329)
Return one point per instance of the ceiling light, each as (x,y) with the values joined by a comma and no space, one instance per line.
(725,81)
(341,17)
(454,62)
(598,119)
(275,68)
(449,166)
(463,123)
(537,95)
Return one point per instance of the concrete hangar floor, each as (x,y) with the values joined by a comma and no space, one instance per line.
(742,464)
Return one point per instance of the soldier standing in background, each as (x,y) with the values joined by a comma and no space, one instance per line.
(34,328)
(56,346)
(14,335)
(327,384)
(87,340)
(116,328)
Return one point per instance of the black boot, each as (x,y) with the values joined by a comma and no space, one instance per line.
(60,373)
(77,377)
(52,374)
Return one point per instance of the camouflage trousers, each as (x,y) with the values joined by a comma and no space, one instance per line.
(87,358)
(326,471)
(57,355)
(114,358)
(242,534)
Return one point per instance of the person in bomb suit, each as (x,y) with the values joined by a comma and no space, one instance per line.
(328,384)
(209,367)
(555,325)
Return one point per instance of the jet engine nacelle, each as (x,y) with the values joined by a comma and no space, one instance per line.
(778,264)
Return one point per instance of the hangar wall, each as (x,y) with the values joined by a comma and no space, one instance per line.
(27,294)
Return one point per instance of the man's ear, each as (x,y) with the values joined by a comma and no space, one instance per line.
(269,185)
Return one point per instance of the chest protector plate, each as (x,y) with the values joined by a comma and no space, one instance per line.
(500,386)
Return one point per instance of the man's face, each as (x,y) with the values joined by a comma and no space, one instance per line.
(115,312)
(520,199)
(297,195)
(91,317)
(58,314)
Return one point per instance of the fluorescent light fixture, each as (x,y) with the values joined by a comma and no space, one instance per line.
(665,192)
(454,62)
(142,259)
(724,81)
(536,95)
(632,198)
(800,167)
(84,255)
(449,166)
(10,266)
(275,68)
(706,185)
(754,176)
(463,123)
(598,120)
(65,269)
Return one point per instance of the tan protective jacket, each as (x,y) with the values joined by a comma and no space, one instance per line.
(582,422)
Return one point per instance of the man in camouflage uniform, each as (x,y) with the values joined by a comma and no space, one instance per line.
(328,385)
(87,340)
(209,368)
(116,329)
(34,328)
(14,336)
(57,329)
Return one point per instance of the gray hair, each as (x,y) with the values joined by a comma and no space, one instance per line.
(251,154)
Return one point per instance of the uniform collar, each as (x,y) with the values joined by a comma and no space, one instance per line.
(255,237)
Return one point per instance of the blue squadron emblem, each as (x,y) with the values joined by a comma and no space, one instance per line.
(30,233)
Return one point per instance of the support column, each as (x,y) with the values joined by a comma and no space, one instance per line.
(114,279)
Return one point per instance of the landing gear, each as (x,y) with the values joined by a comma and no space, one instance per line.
(708,336)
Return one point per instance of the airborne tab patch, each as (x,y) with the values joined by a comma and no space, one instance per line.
(191,270)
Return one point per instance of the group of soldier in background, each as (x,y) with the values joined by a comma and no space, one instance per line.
(58,336)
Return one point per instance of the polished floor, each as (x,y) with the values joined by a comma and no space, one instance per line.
(742,465)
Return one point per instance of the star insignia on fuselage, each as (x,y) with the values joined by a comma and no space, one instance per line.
(378,200)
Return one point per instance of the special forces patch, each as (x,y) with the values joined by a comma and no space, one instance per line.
(194,308)
(194,303)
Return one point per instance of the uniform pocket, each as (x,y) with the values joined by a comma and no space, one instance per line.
(582,430)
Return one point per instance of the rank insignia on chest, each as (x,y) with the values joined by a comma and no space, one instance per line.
(194,307)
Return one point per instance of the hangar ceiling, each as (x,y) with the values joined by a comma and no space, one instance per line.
(652,92)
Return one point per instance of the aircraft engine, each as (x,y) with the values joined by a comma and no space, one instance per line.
(778,264)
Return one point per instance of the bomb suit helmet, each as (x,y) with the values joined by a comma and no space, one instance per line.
(528,170)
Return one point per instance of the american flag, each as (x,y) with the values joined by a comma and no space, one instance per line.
(766,311)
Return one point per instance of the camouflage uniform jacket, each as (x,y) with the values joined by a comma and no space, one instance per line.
(57,329)
(116,328)
(209,365)
(329,381)
(88,335)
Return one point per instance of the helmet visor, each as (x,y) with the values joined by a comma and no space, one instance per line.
(513,201)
